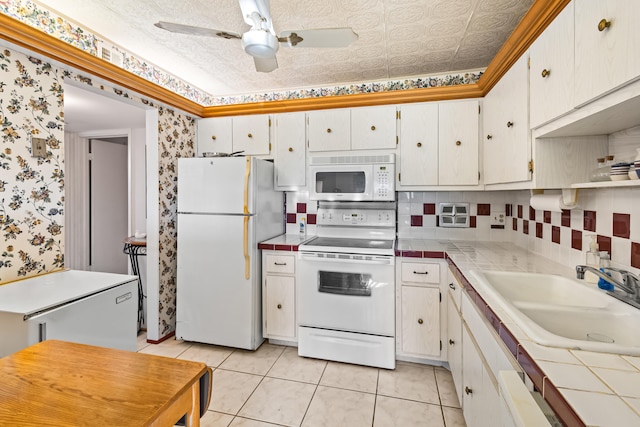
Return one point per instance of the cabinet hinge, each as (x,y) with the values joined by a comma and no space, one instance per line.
(478,109)
(399,177)
(398,115)
(269,122)
(269,147)
(530,166)
(397,140)
(478,176)
(440,345)
(440,293)
(529,62)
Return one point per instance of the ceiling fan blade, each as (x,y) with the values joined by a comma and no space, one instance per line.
(198,31)
(265,65)
(320,37)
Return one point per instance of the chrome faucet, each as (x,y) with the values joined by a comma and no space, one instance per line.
(630,283)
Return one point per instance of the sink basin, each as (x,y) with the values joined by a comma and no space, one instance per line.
(558,311)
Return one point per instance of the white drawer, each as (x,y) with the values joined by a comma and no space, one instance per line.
(420,272)
(280,264)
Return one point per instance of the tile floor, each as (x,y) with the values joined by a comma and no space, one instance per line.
(273,386)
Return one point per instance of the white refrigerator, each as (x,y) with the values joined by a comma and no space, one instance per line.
(226,206)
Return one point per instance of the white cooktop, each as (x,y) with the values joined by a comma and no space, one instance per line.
(350,245)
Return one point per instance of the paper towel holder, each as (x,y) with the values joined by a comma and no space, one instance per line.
(569,195)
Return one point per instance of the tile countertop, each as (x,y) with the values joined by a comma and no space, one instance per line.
(285,242)
(583,387)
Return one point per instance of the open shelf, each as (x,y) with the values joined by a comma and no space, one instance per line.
(626,183)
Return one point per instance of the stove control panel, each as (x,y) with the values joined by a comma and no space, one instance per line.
(357,217)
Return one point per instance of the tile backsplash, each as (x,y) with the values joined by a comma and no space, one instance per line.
(613,214)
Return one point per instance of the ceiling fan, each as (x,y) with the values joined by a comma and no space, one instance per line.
(261,42)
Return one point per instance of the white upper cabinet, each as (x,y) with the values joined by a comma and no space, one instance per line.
(251,134)
(213,135)
(418,157)
(290,143)
(551,70)
(607,36)
(329,130)
(507,138)
(458,143)
(373,128)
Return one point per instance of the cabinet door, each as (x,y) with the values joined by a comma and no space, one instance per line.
(551,70)
(213,135)
(454,343)
(458,143)
(421,320)
(280,306)
(606,56)
(290,150)
(418,144)
(507,143)
(373,128)
(472,383)
(329,130)
(251,134)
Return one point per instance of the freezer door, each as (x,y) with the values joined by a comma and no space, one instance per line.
(216,185)
(216,302)
(106,319)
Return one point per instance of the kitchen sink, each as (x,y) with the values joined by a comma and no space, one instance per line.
(558,311)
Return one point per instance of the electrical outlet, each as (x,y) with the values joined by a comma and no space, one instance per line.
(38,147)
(497,218)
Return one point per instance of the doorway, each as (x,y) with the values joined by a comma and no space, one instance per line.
(108,204)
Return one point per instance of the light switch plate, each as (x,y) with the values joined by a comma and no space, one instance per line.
(38,147)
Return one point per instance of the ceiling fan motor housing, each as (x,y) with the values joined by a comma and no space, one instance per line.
(260,43)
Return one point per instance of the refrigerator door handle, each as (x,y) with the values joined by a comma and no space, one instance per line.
(247,260)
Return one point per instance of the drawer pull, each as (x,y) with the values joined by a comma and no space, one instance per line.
(279,306)
(451,342)
(280,263)
(420,272)
(603,24)
(467,390)
(545,73)
(452,286)
(420,321)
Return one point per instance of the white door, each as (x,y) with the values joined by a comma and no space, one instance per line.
(108,205)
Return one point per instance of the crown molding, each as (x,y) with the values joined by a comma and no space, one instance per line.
(541,13)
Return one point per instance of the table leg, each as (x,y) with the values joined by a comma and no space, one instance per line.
(193,416)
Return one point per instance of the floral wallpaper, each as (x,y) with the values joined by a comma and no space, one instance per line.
(175,140)
(34,15)
(31,189)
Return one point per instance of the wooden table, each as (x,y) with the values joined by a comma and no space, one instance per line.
(58,383)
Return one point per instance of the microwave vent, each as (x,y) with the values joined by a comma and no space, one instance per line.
(351,160)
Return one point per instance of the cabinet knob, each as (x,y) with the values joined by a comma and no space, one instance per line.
(489,136)
(509,124)
(451,342)
(467,390)
(279,306)
(420,321)
(328,130)
(290,149)
(603,24)
(452,286)
(213,137)
(373,128)
(419,144)
(545,73)
(458,143)
(249,135)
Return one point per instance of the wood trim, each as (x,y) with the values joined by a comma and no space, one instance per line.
(44,44)
(539,16)
(347,101)
(541,13)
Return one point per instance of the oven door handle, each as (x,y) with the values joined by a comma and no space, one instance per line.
(377,261)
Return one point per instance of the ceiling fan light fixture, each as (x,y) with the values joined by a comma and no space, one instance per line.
(260,43)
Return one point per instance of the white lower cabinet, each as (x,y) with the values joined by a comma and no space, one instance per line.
(454,344)
(278,296)
(420,312)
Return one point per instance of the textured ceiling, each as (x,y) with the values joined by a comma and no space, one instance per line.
(397,38)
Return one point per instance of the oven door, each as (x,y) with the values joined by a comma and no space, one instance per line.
(347,292)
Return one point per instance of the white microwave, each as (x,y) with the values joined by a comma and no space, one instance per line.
(352,178)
